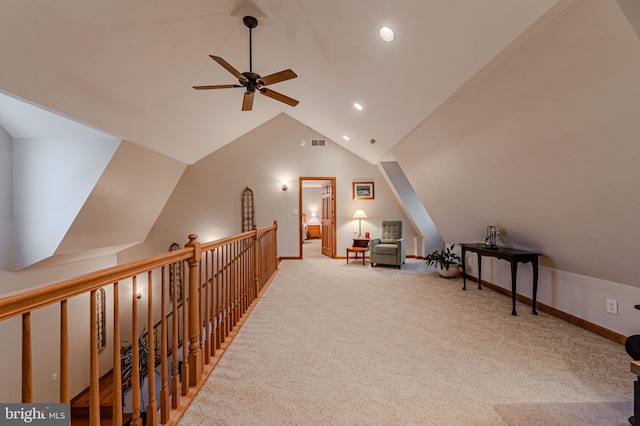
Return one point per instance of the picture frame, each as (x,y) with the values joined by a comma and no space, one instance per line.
(363,191)
(175,277)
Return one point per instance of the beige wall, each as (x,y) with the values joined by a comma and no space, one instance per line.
(206,201)
(543,143)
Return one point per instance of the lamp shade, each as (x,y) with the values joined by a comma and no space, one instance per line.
(359,214)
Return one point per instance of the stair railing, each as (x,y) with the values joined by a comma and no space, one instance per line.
(224,279)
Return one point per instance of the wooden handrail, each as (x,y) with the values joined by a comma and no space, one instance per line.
(17,303)
(218,294)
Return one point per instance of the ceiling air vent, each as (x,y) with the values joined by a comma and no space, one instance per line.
(318,142)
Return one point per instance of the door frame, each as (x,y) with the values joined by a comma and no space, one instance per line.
(303,178)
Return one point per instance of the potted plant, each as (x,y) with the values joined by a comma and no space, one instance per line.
(445,261)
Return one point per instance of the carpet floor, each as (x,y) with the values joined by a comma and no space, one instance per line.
(345,344)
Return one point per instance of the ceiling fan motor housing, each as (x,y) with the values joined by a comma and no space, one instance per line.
(250,22)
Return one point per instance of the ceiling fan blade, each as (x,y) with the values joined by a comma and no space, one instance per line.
(277,77)
(279,97)
(219,86)
(228,67)
(247,101)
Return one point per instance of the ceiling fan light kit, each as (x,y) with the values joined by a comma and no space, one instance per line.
(251,81)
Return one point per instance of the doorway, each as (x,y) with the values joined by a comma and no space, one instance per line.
(320,211)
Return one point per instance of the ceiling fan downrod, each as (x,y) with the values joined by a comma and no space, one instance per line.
(250,22)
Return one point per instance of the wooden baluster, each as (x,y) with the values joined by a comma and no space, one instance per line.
(152,406)
(175,320)
(236,282)
(27,379)
(195,326)
(65,392)
(247,273)
(212,309)
(207,327)
(94,372)
(117,365)
(234,285)
(241,277)
(241,271)
(164,390)
(256,264)
(228,295)
(184,378)
(231,287)
(216,301)
(225,299)
(135,358)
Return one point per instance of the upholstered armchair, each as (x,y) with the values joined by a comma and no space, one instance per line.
(390,248)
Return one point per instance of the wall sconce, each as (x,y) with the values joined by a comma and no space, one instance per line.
(360,214)
(313,217)
(284,185)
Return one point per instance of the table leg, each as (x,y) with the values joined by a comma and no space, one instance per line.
(534,263)
(464,269)
(636,403)
(514,273)
(479,271)
(347,256)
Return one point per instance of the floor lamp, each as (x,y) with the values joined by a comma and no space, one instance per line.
(359,214)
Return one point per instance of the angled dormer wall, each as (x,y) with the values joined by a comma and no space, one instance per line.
(5,198)
(52,179)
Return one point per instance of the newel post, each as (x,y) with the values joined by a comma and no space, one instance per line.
(195,353)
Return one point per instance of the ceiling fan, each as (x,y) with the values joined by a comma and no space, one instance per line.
(251,81)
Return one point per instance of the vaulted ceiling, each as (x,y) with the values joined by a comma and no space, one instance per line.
(127,68)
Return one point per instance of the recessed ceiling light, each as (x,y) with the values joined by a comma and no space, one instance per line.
(387,34)
(357,106)
(345,137)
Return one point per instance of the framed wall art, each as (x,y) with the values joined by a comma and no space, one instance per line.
(101,318)
(175,276)
(363,191)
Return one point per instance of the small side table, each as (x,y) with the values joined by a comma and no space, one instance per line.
(360,245)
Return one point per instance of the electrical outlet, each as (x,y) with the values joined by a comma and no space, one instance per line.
(612,306)
(54,377)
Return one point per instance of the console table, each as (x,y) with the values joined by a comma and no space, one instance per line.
(512,256)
